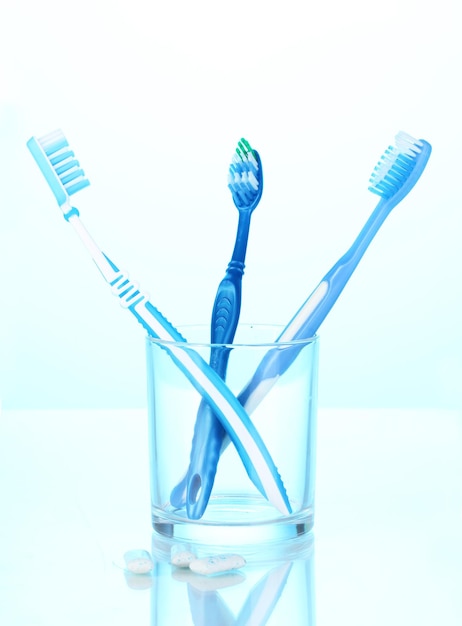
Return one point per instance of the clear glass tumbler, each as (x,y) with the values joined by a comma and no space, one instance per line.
(285,418)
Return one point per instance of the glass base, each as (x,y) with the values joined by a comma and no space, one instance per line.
(266,553)
(232,520)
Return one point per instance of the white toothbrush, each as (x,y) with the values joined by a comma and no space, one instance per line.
(65,177)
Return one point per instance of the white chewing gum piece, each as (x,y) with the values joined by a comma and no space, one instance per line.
(210,565)
(138,561)
(181,555)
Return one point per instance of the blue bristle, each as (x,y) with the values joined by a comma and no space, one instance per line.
(61,157)
(243,165)
(57,163)
(71,189)
(75,173)
(394,167)
(67,166)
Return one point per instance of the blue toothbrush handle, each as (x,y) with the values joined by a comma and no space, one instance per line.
(303,325)
(208,431)
(225,317)
(252,450)
(205,454)
(209,438)
(307,320)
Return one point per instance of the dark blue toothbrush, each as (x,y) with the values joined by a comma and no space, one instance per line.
(245,180)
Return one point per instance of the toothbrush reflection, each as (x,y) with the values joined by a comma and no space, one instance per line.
(276,586)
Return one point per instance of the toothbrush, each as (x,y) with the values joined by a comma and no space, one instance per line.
(245,180)
(396,173)
(65,178)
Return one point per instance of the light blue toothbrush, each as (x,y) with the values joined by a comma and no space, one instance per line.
(245,181)
(396,173)
(62,172)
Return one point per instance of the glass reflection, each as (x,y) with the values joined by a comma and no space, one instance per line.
(276,586)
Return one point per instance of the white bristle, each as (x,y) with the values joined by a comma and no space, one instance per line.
(385,163)
(406,144)
(51,138)
(252,160)
(395,165)
(253,181)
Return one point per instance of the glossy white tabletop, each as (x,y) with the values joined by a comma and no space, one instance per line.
(386,547)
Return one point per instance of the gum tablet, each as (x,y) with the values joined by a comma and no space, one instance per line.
(216,564)
(138,561)
(181,556)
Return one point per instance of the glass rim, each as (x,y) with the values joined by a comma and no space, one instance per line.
(183,329)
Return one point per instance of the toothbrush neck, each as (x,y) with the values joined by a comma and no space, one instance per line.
(240,245)
(369,230)
(338,275)
(235,268)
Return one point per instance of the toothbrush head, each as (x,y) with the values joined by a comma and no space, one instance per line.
(400,167)
(245,177)
(58,165)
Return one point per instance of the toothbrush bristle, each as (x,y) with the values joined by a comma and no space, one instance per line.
(61,158)
(407,144)
(395,165)
(244,176)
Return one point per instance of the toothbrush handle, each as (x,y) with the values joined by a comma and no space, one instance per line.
(227,305)
(210,439)
(230,414)
(225,317)
(250,446)
(303,325)
(197,485)
(313,311)
(208,431)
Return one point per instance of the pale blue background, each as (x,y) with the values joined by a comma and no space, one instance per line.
(153,97)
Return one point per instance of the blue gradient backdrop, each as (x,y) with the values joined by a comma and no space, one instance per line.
(153,97)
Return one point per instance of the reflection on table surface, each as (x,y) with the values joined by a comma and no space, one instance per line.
(386,549)
(274,587)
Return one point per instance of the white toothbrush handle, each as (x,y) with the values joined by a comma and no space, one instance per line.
(108,271)
(251,448)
